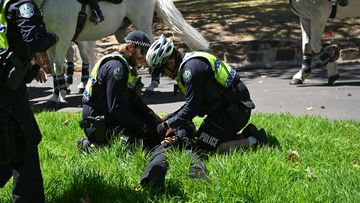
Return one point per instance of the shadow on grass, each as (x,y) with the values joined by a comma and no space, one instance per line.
(92,187)
(273,141)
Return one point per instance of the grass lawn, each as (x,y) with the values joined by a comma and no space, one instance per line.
(310,159)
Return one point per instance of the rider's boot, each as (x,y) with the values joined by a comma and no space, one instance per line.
(96,14)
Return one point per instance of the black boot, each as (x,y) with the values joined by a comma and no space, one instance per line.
(96,15)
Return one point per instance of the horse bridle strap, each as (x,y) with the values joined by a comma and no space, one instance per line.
(80,22)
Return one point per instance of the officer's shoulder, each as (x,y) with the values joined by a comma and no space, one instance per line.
(24,8)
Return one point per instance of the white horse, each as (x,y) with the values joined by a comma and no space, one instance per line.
(61,17)
(313,16)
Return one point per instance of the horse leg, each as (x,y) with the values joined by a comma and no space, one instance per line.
(86,49)
(326,57)
(69,66)
(60,88)
(305,69)
(51,55)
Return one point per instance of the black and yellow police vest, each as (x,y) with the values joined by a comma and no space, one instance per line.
(224,74)
(4,45)
(88,93)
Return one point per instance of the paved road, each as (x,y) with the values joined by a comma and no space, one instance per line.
(269,88)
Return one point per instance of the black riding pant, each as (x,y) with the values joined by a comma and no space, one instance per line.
(25,167)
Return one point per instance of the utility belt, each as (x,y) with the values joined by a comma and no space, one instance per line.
(15,73)
(95,128)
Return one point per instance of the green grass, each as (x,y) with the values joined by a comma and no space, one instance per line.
(326,170)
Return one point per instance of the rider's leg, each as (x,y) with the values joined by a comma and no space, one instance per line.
(96,14)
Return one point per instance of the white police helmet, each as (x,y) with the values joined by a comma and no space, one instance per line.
(158,52)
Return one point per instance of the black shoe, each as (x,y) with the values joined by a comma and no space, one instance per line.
(249,130)
(84,145)
(261,137)
(96,16)
(197,171)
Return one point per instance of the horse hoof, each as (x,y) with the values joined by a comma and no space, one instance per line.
(53,98)
(332,79)
(296,81)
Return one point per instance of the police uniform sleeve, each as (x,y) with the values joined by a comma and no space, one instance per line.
(31,26)
(193,77)
(116,95)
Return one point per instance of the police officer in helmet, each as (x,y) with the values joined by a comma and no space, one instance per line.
(111,107)
(23,34)
(211,88)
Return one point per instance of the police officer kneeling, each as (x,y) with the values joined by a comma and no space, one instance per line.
(111,107)
(22,34)
(211,88)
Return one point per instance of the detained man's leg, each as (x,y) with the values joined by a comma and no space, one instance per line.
(28,181)
(154,173)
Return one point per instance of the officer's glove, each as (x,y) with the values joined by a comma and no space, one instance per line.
(54,36)
(150,89)
(162,128)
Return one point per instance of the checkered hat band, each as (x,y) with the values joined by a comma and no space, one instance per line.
(144,44)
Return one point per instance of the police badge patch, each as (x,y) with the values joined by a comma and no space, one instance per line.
(187,75)
(26,10)
(118,73)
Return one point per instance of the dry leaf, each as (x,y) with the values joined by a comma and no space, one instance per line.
(349,94)
(293,154)
(355,164)
(85,199)
(309,173)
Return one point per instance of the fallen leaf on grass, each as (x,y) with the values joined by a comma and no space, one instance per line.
(293,154)
(309,173)
(85,199)
(66,122)
(355,164)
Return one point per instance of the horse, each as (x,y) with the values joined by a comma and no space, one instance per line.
(313,16)
(61,17)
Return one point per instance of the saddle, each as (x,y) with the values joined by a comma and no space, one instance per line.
(111,1)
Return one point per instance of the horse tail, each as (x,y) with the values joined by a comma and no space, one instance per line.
(172,17)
